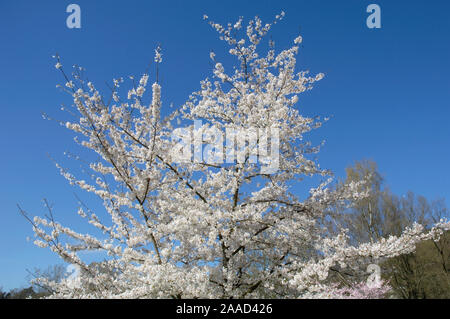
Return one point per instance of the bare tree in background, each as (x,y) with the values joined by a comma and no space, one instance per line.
(420,274)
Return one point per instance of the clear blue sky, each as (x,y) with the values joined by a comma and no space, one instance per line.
(387,89)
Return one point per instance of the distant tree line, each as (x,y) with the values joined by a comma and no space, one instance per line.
(34,291)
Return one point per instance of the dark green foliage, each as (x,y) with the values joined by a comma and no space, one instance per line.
(423,274)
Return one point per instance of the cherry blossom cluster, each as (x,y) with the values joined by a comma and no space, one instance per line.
(193,229)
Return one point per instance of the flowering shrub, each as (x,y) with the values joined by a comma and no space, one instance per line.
(359,290)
